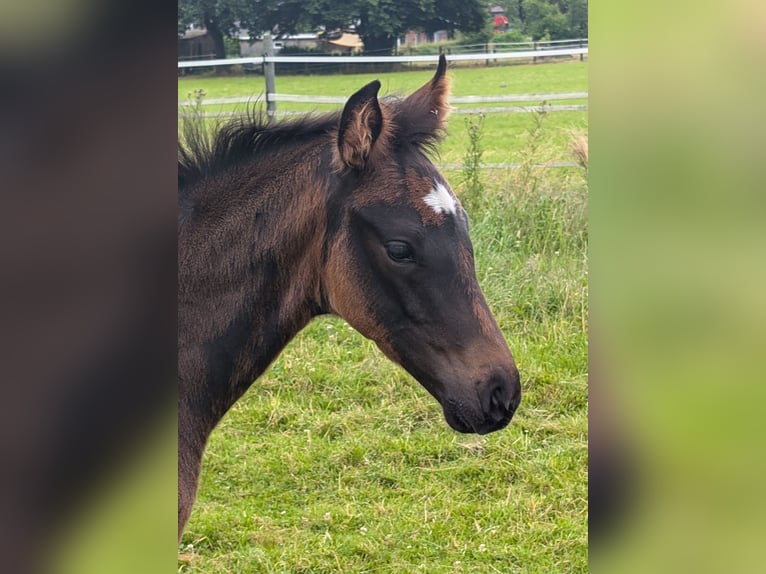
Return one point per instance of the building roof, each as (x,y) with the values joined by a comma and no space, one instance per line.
(244,34)
(348,41)
(192,33)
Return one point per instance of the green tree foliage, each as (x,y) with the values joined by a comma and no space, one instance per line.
(219,17)
(547,19)
(381,22)
(577,15)
(378,22)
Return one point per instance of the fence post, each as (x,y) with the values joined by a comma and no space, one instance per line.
(269,75)
(581,55)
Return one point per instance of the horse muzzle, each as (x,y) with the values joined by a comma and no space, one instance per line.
(492,407)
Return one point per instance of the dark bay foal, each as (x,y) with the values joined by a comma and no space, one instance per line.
(343,214)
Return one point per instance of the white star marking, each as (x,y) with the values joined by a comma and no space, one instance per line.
(441,199)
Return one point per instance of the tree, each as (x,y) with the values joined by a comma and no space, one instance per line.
(577,14)
(453,15)
(545,20)
(555,19)
(378,22)
(218,17)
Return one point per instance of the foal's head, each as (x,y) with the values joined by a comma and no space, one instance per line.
(400,265)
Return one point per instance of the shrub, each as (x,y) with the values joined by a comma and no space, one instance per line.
(512,36)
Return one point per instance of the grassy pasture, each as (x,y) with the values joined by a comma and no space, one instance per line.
(504,133)
(337,461)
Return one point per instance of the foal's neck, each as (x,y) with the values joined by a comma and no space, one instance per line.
(249,274)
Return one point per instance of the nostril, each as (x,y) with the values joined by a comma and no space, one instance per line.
(502,395)
(499,396)
(496,400)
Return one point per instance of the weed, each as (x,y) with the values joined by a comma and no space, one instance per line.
(528,174)
(578,145)
(473,187)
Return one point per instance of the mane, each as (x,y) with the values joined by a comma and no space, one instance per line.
(202,153)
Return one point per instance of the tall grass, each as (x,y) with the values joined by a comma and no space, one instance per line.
(337,461)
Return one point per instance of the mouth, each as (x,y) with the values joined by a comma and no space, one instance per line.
(465,420)
(481,408)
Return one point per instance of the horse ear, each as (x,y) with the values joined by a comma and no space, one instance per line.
(430,103)
(360,125)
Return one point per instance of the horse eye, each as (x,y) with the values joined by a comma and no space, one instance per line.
(399,251)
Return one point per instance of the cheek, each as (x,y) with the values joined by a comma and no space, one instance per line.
(349,297)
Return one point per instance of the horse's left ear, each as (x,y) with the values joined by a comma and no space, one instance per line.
(430,103)
(360,125)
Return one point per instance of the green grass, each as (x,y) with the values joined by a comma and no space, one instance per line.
(514,79)
(337,461)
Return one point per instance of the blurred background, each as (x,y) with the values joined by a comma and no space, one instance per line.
(87,211)
(677,229)
(88,264)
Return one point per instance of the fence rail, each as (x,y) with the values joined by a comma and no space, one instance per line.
(539,53)
(297,98)
(542,107)
(514,165)
(523,109)
(268,61)
(489,110)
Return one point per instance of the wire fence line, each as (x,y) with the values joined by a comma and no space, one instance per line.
(542,107)
(453,100)
(512,165)
(488,110)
